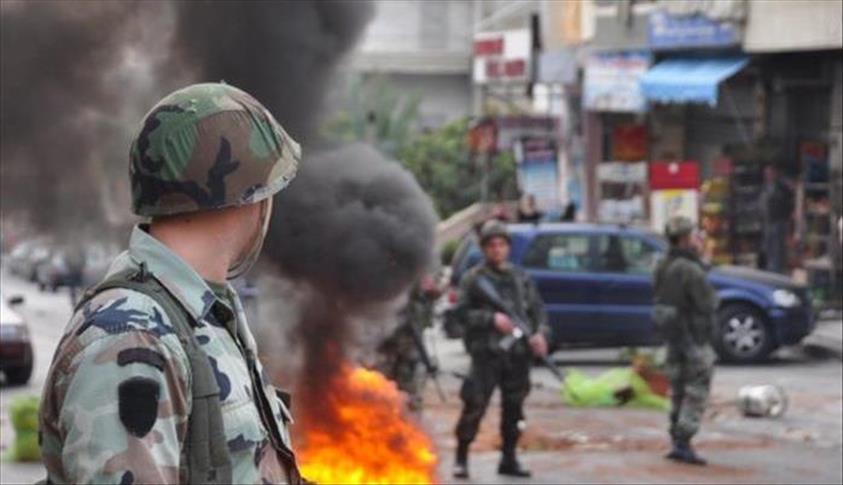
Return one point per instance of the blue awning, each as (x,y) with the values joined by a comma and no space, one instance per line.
(682,80)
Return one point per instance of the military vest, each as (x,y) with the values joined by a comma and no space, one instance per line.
(206,459)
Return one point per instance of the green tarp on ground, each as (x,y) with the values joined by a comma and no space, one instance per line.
(603,391)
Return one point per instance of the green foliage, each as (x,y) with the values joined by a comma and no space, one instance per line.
(448,251)
(377,114)
(444,167)
(440,160)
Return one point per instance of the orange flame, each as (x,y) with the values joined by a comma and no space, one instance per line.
(368,436)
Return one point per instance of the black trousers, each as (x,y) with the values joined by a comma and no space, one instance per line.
(512,374)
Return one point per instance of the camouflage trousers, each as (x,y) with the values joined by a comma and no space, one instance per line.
(690,384)
(512,375)
(406,370)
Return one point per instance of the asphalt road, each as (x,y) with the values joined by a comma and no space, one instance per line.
(566,445)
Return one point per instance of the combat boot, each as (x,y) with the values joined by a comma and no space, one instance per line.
(461,460)
(683,452)
(511,468)
(509,465)
(674,452)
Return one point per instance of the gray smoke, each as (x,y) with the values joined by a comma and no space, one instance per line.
(78,76)
(283,53)
(357,230)
(354,225)
(56,69)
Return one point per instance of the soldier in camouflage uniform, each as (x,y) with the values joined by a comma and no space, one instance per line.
(491,366)
(401,358)
(685,303)
(120,395)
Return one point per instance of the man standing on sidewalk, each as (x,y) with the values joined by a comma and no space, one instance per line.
(491,365)
(776,204)
(684,308)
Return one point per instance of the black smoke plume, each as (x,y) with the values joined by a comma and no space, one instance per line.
(354,225)
(357,230)
(55,64)
(78,76)
(283,53)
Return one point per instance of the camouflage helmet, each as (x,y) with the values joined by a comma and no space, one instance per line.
(208,146)
(492,229)
(678,226)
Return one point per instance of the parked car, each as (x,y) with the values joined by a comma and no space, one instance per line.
(64,268)
(16,356)
(596,282)
(27,256)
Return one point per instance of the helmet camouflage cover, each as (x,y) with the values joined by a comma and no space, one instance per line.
(678,226)
(208,146)
(492,229)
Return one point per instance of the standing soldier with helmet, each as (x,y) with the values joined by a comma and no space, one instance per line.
(402,354)
(491,364)
(156,378)
(685,303)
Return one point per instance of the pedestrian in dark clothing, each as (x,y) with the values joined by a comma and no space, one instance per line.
(570,214)
(776,205)
(528,212)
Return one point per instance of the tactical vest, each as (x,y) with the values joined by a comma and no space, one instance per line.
(205,447)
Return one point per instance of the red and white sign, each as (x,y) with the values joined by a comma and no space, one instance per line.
(502,57)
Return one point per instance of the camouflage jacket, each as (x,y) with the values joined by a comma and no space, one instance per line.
(680,281)
(94,425)
(518,291)
(416,314)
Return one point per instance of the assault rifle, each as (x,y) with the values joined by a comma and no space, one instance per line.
(522,329)
(430,367)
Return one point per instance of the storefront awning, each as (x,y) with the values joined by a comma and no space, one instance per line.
(686,80)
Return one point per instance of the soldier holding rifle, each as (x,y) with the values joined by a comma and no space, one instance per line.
(501,351)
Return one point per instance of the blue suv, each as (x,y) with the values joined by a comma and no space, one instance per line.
(596,282)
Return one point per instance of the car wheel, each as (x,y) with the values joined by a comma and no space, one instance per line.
(19,375)
(743,335)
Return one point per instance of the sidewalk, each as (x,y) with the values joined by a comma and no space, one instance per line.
(827,336)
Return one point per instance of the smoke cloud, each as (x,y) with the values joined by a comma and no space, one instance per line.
(56,68)
(355,230)
(78,76)
(354,225)
(283,53)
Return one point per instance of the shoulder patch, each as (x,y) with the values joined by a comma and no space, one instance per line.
(138,404)
(140,355)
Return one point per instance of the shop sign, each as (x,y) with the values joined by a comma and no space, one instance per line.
(666,31)
(482,137)
(612,82)
(510,129)
(538,170)
(622,188)
(622,172)
(629,142)
(665,204)
(502,57)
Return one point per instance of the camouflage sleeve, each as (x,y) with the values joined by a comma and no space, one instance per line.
(701,294)
(474,315)
(535,308)
(124,412)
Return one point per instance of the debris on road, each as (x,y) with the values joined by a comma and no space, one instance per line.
(615,387)
(23,412)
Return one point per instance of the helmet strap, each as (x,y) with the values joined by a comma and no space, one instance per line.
(247,260)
